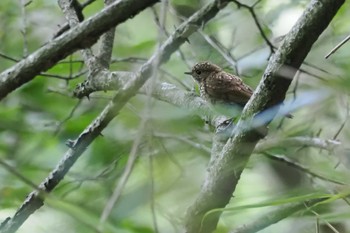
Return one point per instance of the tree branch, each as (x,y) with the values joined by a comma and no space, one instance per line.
(107,41)
(71,13)
(82,36)
(326,144)
(34,200)
(224,173)
(276,215)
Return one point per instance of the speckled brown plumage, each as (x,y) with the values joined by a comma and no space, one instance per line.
(218,86)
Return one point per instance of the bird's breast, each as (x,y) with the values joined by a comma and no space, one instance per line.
(203,92)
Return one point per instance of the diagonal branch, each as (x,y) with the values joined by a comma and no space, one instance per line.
(107,41)
(34,200)
(73,19)
(82,36)
(94,63)
(258,24)
(79,8)
(223,174)
(276,215)
(326,144)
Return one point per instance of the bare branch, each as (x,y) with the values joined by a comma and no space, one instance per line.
(275,216)
(34,201)
(227,56)
(72,12)
(107,42)
(24,28)
(338,46)
(80,37)
(258,24)
(21,177)
(79,7)
(70,115)
(224,174)
(8,57)
(71,77)
(94,64)
(298,166)
(327,144)
(344,122)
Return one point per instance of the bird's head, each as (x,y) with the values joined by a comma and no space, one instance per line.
(202,70)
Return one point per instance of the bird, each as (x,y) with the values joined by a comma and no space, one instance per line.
(220,87)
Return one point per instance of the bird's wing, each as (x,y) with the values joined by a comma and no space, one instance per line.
(228,88)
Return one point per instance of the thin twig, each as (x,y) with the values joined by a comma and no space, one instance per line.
(139,60)
(298,166)
(152,195)
(70,77)
(258,24)
(70,115)
(325,144)
(323,220)
(8,57)
(344,122)
(275,216)
(223,53)
(186,140)
(24,28)
(142,128)
(337,46)
(20,176)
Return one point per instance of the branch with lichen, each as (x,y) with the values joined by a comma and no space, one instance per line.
(34,200)
(82,36)
(224,172)
(94,63)
(276,215)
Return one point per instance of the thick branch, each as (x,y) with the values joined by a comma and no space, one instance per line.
(107,42)
(93,63)
(276,215)
(34,200)
(223,175)
(320,143)
(71,13)
(82,36)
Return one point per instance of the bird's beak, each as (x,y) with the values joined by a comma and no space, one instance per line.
(188,73)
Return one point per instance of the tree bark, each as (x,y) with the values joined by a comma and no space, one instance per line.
(82,36)
(225,170)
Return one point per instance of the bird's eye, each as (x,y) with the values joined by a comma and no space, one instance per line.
(198,72)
